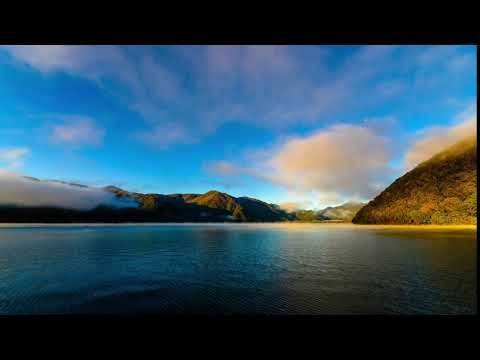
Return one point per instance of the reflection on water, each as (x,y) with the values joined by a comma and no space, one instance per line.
(237,269)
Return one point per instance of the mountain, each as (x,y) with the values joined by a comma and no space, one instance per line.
(241,208)
(262,211)
(218,200)
(344,212)
(213,206)
(305,215)
(441,190)
(212,203)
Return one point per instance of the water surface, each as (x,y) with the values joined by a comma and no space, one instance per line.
(313,269)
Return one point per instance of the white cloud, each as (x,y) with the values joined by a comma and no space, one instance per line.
(12,154)
(273,83)
(76,131)
(92,62)
(49,58)
(432,140)
(268,86)
(295,205)
(20,191)
(163,135)
(13,158)
(469,113)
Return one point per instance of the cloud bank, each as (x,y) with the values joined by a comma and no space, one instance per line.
(20,191)
(435,139)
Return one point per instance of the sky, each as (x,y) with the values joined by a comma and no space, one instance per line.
(302,126)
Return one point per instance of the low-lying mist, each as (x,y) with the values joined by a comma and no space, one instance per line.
(21,191)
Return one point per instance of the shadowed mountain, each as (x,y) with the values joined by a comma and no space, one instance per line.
(441,190)
(213,206)
(213,202)
(241,208)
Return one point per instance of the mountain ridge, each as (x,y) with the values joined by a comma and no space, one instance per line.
(212,206)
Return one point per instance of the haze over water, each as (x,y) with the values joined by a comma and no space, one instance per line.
(312,269)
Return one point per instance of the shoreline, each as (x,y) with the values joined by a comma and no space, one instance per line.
(257,224)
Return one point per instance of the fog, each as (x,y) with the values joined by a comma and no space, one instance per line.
(20,191)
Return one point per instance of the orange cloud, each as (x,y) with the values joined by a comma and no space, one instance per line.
(342,160)
(435,139)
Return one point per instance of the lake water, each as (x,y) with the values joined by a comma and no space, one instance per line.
(313,269)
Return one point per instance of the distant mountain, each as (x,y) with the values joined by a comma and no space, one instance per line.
(209,207)
(441,190)
(305,215)
(344,212)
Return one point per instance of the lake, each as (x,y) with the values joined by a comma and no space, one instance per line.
(308,269)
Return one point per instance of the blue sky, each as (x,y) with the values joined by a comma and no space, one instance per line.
(309,125)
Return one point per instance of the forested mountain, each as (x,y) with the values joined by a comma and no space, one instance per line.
(208,207)
(441,190)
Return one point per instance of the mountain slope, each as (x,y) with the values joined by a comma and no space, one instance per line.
(241,208)
(261,211)
(344,212)
(441,190)
(213,206)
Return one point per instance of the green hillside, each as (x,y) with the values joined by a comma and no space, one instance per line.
(441,190)
(213,206)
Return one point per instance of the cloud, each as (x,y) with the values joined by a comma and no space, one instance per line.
(91,62)
(163,135)
(338,159)
(392,88)
(76,131)
(49,58)
(291,206)
(13,157)
(432,140)
(267,86)
(224,168)
(20,191)
(12,154)
(339,162)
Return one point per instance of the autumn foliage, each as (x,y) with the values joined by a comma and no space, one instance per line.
(441,190)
